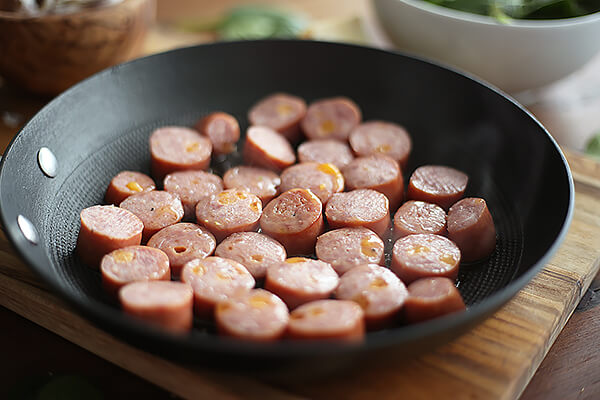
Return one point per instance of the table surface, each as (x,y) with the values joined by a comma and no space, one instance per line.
(567,109)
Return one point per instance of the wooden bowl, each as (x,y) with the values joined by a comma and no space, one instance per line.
(47,54)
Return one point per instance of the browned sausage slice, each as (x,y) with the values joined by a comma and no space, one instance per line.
(380,137)
(268,149)
(325,151)
(132,264)
(431,298)
(126,183)
(425,255)
(363,207)
(419,217)
(258,181)
(256,315)
(437,184)
(175,148)
(294,219)
(339,320)
(215,279)
(104,229)
(347,248)
(253,250)
(229,211)
(167,305)
(157,209)
(191,187)
(377,290)
(299,280)
(183,242)
(281,112)
(471,227)
(332,118)
(222,129)
(322,179)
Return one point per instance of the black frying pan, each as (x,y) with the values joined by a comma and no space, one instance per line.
(101,127)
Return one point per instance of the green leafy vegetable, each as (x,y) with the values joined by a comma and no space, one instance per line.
(593,146)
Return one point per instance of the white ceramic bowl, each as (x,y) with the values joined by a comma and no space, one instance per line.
(524,54)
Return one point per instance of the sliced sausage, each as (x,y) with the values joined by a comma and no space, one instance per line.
(377,290)
(256,315)
(281,112)
(191,187)
(104,229)
(325,151)
(258,181)
(419,217)
(380,137)
(175,148)
(299,280)
(294,219)
(132,264)
(229,211)
(437,184)
(364,207)
(339,320)
(332,118)
(322,179)
(253,250)
(215,279)
(183,242)
(379,173)
(126,183)
(167,305)
(222,129)
(471,227)
(347,248)
(425,255)
(157,209)
(430,298)
(266,148)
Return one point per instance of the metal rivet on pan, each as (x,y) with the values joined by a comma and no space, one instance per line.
(47,162)
(27,229)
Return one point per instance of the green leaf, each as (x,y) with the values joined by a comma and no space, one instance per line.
(593,146)
(254,22)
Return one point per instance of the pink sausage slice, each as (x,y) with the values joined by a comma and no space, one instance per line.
(299,280)
(175,148)
(325,151)
(191,187)
(471,227)
(347,248)
(256,315)
(167,305)
(222,129)
(268,149)
(419,217)
(364,207)
(322,179)
(430,298)
(425,255)
(183,242)
(332,118)
(126,183)
(294,219)
(157,209)
(380,137)
(437,184)
(377,290)
(104,229)
(253,250)
(339,320)
(258,181)
(379,173)
(281,112)
(228,212)
(132,264)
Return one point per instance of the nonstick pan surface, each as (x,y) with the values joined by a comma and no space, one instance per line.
(101,126)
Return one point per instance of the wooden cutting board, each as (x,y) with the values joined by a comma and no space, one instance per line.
(495,360)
